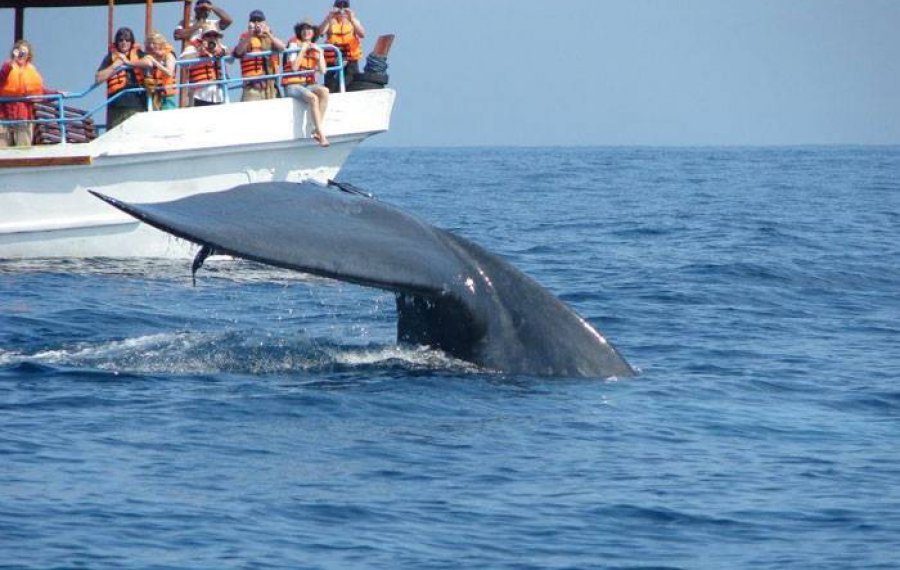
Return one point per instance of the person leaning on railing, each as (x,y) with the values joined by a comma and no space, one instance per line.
(258,38)
(19,78)
(123,69)
(209,49)
(160,80)
(343,29)
(309,59)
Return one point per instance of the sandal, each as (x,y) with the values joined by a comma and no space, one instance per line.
(323,142)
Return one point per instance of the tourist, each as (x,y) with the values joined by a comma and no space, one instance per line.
(342,29)
(210,50)
(304,87)
(19,78)
(161,78)
(123,69)
(206,16)
(258,38)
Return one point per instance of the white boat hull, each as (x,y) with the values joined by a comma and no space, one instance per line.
(47,211)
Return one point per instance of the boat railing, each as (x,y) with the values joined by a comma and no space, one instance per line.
(66,115)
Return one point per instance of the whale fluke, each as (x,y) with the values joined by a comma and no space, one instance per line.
(452,294)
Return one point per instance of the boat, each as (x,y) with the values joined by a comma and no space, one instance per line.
(46,209)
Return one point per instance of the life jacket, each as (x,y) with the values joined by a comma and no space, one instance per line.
(309,61)
(254,66)
(206,70)
(120,79)
(22,80)
(343,36)
(163,84)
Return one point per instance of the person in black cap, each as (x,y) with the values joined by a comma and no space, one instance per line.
(342,29)
(205,15)
(258,38)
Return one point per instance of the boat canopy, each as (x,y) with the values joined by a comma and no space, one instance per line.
(20,6)
(73,3)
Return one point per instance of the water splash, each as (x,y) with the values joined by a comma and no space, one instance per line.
(235,352)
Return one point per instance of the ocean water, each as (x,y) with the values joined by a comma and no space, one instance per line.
(264,419)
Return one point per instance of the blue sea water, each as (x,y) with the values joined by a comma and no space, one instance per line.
(267,420)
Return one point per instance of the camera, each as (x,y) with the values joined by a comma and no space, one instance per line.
(16,53)
(211,45)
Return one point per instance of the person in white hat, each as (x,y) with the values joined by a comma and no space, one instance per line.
(210,50)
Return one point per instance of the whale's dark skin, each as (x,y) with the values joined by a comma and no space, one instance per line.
(451,294)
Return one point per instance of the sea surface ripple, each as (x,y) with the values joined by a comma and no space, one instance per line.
(266,419)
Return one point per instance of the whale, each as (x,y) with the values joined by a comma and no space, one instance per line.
(451,294)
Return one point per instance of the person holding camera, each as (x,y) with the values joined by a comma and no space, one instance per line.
(342,29)
(309,60)
(19,78)
(258,38)
(208,48)
(206,15)
(123,71)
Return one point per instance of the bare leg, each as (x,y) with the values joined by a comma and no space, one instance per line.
(313,103)
(322,92)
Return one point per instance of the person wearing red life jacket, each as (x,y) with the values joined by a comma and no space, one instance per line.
(342,29)
(258,38)
(309,60)
(19,78)
(123,71)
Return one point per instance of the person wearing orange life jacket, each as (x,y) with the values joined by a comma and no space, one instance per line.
(308,58)
(19,78)
(343,29)
(160,80)
(210,50)
(258,38)
(123,69)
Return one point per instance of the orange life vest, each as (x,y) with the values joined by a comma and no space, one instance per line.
(22,80)
(343,36)
(119,80)
(257,65)
(309,61)
(165,84)
(206,70)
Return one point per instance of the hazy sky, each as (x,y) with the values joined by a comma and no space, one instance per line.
(596,72)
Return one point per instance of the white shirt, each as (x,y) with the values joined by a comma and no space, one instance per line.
(208,93)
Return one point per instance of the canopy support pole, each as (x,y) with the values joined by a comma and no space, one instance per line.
(148,19)
(109,21)
(20,23)
(184,94)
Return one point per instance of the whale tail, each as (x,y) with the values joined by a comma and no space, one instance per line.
(451,293)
